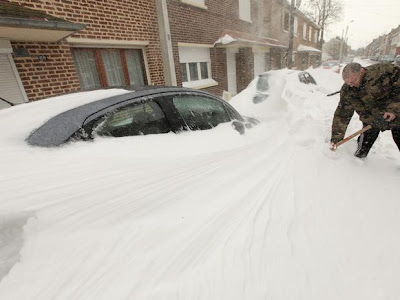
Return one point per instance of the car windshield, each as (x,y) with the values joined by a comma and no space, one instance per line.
(263,83)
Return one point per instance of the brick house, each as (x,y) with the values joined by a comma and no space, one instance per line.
(305,51)
(305,43)
(53,47)
(62,46)
(218,45)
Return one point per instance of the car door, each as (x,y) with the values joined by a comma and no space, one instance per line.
(139,117)
(198,111)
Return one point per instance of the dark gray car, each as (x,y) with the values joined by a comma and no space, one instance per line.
(146,110)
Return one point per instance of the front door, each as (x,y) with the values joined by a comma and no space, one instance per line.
(259,63)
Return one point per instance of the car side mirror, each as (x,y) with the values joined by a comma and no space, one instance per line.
(239,127)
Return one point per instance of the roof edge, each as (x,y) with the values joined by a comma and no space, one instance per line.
(39,24)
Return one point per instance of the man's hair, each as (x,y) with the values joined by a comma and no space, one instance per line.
(351,67)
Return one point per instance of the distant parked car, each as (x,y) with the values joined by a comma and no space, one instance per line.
(144,110)
(397,60)
(334,65)
(347,60)
(386,58)
(375,57)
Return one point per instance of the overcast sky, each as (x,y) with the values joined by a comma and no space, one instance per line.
(372,18)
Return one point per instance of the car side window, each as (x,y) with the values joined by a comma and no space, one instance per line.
(200,113)
(135,119)
(263,83)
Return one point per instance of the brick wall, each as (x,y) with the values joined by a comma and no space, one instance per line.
(305,59)
(43,79)
(105,19)
(190,24)
(244,67)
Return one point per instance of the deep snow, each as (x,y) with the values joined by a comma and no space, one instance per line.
(272,214)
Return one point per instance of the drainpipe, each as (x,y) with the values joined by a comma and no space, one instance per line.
(291,34)
(166,43)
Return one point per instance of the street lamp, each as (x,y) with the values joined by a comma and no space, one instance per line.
(345,38)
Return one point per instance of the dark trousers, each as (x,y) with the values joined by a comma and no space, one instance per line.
(368,138)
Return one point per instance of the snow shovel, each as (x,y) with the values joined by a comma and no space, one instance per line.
(368,127)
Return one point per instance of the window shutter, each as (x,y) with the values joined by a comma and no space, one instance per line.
(10,89)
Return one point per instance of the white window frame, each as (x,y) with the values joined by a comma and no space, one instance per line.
(295,26)
(304,31)
(201,54)
(245,10)
(309,33)
(316,36)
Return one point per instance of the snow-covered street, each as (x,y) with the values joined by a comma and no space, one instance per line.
(272,214)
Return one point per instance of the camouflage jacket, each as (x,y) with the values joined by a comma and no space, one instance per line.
(379,92)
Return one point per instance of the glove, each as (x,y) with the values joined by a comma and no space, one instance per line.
(381,124)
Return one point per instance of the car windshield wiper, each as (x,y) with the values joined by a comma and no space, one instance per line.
(12,104)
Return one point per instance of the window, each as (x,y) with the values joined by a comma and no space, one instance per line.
(309,33)
(200,113)
(304,31)
(286,21)
(295,26)
(316,36)
(245,10)
(135,119)
(267,10)
(98,68)
(195,66)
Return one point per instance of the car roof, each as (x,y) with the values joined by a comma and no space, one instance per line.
(61,127)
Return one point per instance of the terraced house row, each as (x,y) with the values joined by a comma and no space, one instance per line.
(51,47)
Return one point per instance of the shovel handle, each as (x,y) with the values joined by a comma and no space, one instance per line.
(368,127)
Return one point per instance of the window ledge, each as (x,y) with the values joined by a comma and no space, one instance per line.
(245,20)
(200,84)
(192,3)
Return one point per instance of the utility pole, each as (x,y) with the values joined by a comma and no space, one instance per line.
(344,41)
(291,34)
(341,45)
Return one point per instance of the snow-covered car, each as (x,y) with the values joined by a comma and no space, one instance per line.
(146,110)
(334,65)
(263,84)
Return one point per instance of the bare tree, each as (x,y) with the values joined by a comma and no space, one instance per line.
(332,48)
(323,13)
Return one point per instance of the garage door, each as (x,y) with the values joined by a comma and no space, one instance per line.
(10,88)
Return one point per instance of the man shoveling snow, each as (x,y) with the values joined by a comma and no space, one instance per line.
(374,93)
